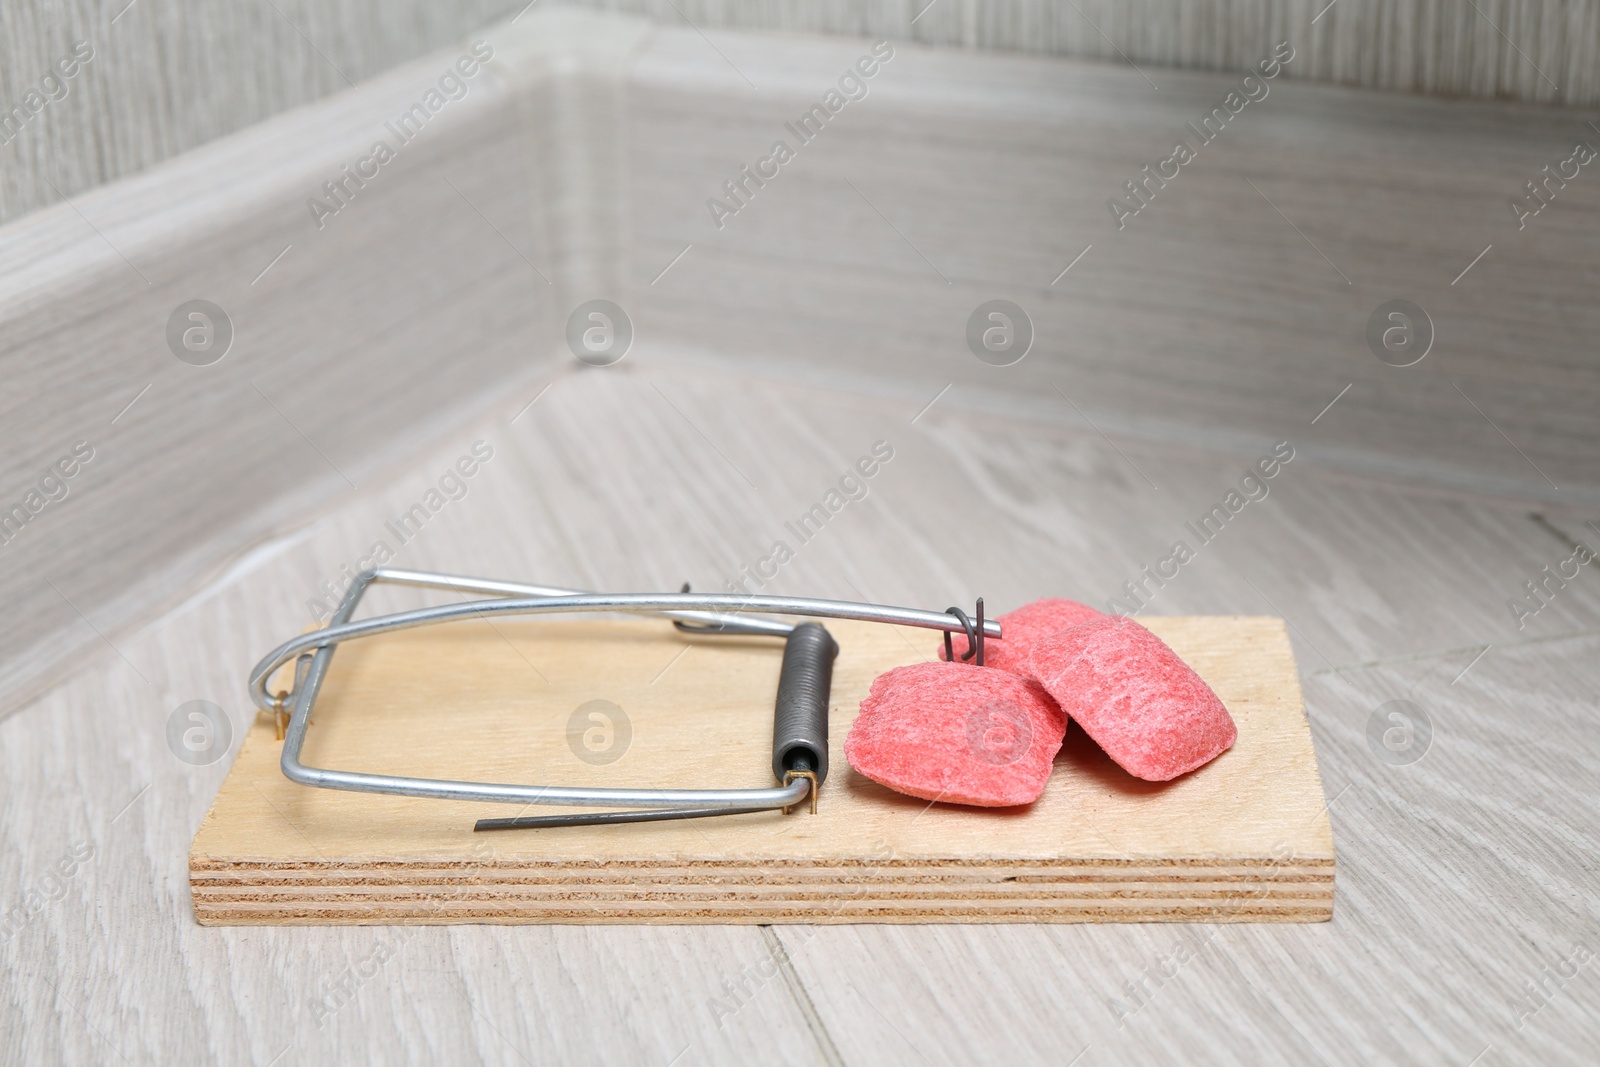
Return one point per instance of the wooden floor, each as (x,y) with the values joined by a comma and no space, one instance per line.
(1466,878)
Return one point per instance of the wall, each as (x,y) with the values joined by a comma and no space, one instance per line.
(168,76)
(1228,314)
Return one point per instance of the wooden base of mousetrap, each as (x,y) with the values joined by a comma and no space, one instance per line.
(1244,839)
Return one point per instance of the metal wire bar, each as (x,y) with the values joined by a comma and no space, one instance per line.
(721,613)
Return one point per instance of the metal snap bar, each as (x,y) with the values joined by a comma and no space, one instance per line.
(800,748)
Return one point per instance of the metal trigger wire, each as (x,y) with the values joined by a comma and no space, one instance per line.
(974,648)
(799,760)
(974,630)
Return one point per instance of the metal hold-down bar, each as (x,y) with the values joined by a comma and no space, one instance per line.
(708,614)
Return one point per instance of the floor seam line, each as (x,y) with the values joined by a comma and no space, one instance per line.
(802,998)
(1462,650)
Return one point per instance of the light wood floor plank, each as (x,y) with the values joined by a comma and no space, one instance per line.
(1462,875)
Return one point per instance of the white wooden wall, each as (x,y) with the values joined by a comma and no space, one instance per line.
(167,76)
(1230,311)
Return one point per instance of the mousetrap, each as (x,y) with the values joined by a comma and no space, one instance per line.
(521,765)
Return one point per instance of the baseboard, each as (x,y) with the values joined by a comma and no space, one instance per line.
(579,163)
(1232,304)
(430,289)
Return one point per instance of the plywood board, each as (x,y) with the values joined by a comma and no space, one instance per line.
(1245,838)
